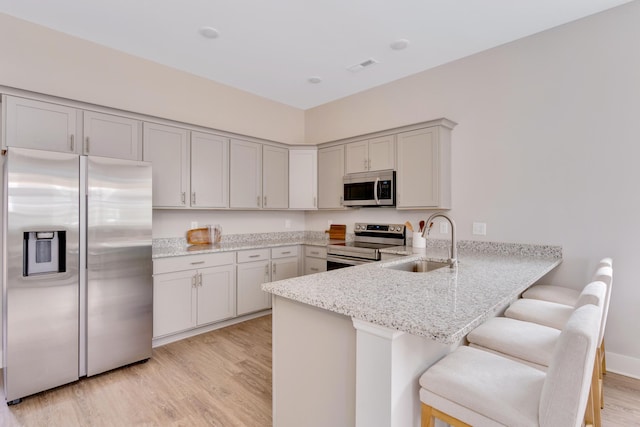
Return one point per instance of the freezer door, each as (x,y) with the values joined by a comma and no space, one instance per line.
(41,193)
(119,268)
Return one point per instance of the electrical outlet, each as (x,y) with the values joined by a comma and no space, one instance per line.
(194,224)
(444,227)
(329,222)
(480,228)
(287,223)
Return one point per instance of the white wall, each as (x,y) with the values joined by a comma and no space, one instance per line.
(546,150)
(175,223)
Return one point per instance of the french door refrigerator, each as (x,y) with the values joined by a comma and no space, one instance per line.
(77,284)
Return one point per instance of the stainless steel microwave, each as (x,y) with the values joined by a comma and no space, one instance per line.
(370,188)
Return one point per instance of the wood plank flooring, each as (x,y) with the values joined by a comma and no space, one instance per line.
(221,378)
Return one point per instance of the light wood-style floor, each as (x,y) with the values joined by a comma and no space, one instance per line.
(221,378)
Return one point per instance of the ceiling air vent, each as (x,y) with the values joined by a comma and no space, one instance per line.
(361,66)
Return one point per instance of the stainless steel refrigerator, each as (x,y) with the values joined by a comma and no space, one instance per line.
(77,284)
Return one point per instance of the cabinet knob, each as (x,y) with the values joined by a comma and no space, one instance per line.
(183,197)
(71,144)
(193,198)
(86,145)
(265,201)
(258,201)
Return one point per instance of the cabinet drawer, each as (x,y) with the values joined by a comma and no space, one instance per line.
(285,251)
(253,255)
(315,251)
(314,265)
(180,263)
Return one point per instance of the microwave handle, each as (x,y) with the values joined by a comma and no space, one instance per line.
(375,190)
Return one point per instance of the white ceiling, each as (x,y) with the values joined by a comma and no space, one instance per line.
(271,48)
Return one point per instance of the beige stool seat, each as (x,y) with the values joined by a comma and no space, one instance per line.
(475,387)
(561,294)
(528,342)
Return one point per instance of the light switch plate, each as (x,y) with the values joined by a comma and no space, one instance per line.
(287,223)
(194,224)
(480,228)
(444,228)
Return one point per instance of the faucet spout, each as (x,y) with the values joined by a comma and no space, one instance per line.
(454,247)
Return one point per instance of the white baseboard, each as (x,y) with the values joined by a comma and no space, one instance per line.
(623,365)
(158,342)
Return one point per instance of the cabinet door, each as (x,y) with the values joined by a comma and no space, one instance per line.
(357,157)
(284,268)
(330,174)
(245,174)
(303,176)
(250,277)
(418,172)
(40,125)
(216,294)
(314,265)
(382,153)
(168,149)
(275,177)
(209,171)
(173,302)
(107,135)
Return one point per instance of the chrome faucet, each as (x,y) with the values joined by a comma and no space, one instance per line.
(453,256)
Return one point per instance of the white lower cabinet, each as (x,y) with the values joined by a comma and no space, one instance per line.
(253,270)
(285,263)
(315,259)
(202,292)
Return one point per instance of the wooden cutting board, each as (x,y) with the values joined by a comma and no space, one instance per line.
(337,231)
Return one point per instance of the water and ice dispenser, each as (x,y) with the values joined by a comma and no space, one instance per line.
(44,252)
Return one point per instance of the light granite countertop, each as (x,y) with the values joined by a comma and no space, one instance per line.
(444,304)
(172,247)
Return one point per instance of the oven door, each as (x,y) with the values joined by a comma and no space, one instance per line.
(337,262)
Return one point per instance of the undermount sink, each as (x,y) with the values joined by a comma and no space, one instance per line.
(420,266)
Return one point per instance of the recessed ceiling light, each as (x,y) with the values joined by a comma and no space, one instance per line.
(209,32)
(399,44)
(314,80)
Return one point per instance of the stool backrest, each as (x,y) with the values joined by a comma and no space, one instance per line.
(605,274)
(565,391)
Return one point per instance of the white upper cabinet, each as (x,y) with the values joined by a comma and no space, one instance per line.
(245,174)
(107,135)
(167,148)
(424,168)
(371,155)
(275,177)
(209,171)
(303,177)
(330,174)
(40,125)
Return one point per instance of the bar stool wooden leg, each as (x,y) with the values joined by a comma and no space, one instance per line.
(429,414)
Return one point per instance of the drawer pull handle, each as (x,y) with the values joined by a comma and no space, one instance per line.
(197,262)
(314,253)
(254,256)
(285,253)
(314,269)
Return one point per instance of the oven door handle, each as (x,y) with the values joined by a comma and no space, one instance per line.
(348,261)
(375,190)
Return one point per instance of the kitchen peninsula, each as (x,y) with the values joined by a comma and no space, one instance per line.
(349,345)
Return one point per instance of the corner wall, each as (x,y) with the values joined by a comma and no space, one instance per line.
(42,60)
(546,150)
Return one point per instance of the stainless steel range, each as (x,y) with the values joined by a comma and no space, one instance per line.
(369,239)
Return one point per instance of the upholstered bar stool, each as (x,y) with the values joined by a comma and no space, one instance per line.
(534,344)
(554,315)
(561,294)
(475,387)
(568,296)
